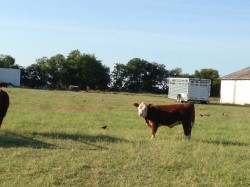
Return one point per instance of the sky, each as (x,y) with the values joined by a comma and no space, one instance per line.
(188,34)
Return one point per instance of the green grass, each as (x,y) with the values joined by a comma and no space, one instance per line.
(54,138)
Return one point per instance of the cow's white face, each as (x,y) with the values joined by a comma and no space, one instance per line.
(142,110)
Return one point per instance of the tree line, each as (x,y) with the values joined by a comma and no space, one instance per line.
(86,71)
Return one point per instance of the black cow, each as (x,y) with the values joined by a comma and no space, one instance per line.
(4,105)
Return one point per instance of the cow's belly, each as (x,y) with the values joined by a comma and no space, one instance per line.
(170,125)
(173,124)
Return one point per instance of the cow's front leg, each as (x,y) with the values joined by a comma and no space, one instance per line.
(148,124)
(154,129)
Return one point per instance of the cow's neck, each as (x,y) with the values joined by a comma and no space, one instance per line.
(149,113)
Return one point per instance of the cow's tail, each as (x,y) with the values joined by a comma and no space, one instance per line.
(192,116)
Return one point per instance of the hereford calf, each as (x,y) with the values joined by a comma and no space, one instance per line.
(168,115)
(4,104)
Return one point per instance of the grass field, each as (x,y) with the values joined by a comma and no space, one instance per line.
(54,138)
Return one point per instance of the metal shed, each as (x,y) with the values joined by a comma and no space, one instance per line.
(235,87)
(9,75)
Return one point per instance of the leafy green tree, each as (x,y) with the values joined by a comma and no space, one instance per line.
(157,74)
(6,61)
(118,76)
(176,72)
(85,70)
(93,73)
(55,66)
(77,69)
(24,76)
(213,75)
(35,76)
(207,74)
(136,70)
(70,73)
(154,77)
(140,75)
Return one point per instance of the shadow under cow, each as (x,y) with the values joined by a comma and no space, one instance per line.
(226,143)
(90,140)
(10,139)
(81,137)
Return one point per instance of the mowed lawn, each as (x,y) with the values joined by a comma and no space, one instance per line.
(54,138)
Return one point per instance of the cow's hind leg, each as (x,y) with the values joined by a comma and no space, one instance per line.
(187,127)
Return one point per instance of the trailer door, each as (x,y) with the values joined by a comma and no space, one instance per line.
(199,90)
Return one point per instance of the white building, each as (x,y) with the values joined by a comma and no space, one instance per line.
(235,87)
(9,75)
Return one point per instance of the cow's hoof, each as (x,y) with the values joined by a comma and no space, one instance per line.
(186,138)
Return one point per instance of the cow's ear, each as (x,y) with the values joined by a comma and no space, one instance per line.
(136,104)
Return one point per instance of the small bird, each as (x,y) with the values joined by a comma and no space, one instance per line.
(226,115)
(204,115)
(104,127)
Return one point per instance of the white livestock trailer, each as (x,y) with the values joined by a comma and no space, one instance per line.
(189,89)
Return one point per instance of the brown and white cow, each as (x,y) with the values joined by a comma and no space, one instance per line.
(168,115)
(4,105)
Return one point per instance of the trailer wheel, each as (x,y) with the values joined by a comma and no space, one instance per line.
(178,98)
